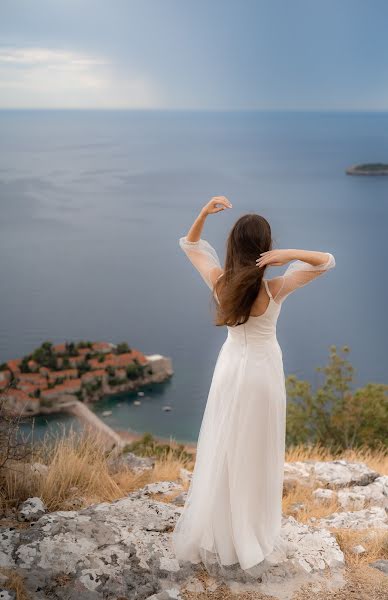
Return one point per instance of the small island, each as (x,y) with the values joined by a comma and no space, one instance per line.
(45,381)
(368,169)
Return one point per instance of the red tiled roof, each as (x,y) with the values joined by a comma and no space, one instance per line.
(84,351)
(59,348)
(90,375)
(119,360)
(36,378)
(13,364)
(76,360)
(67,373)
(71,385)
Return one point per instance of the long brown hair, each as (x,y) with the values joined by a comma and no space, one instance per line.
(240,283)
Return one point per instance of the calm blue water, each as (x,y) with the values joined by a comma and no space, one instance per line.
(93,204)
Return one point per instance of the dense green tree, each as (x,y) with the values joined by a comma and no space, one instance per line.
(134,371)
(45,356)
(83,367)
(24,367)
(122,348)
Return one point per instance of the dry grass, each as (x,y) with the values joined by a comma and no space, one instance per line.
(15,583)
(375,542)
(301,494)
(375,459)
(78,468)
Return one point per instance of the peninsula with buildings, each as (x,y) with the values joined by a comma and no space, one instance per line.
(44,381)
(368,169)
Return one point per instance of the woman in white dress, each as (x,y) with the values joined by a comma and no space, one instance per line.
(232,514)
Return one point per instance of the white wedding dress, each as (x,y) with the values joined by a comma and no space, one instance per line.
(233,510)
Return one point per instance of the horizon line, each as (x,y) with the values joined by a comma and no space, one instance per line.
(146,109)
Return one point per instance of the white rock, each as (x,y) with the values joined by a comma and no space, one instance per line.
(381,565)
(160,487)
(359,549)
(375,517)
(336,473)
(124,548)
(31,510)
(185,475)
(296,508)
(7,595)
(324,495)
(357,497)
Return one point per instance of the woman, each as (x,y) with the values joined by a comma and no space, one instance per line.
(232,514)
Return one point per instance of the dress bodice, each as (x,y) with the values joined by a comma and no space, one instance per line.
(257,329)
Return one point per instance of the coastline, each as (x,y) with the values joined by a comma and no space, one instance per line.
(40,382)
(114,437)
(134,436)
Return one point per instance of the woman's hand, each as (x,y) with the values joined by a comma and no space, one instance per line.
(274,258)
(216,204)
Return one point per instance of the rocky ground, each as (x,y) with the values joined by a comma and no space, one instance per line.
(122,549)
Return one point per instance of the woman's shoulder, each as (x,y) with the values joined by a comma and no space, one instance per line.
(275,284)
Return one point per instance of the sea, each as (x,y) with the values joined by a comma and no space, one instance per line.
(93,203)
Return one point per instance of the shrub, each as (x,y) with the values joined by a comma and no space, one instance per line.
(149,446)
(83,367)
(84,344)
(122,348)
(71,349)
(92,386)
(336,415)
(24,367)
(134,371)
(45,356)
(13,445)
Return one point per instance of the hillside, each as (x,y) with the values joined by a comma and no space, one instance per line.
(86,524)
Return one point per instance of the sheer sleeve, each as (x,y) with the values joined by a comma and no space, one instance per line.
(203,256)
(298,274)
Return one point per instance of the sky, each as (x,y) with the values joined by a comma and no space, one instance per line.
(194,54)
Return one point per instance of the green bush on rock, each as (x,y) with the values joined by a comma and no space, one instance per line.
(335,415)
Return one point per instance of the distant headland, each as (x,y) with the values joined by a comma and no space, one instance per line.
(41,382)
(368,169)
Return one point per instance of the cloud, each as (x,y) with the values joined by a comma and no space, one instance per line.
(52,78)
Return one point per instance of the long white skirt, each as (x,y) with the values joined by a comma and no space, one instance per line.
(232,514)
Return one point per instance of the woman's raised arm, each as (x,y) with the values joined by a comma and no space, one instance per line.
(201,254)
(307,266)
